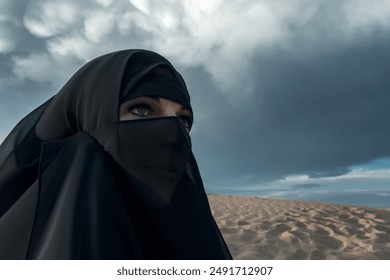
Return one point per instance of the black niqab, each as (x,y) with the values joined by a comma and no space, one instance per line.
(106,189)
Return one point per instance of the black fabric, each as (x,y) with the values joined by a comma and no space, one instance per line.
(106,189)
(80,212)
(19,159)
(154,152)
(91,98)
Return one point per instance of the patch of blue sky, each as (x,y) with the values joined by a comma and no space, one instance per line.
(365,198)
(380,163)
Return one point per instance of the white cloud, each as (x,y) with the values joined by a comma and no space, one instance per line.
(9,35)
(104,3)
(356,177)
(38,66)
(366,16)
(7,43)
(222,37)
(45,19)
(98,25)
(142,5)
(71,46)
(364,174)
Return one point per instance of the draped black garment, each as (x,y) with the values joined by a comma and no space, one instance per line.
(77,183)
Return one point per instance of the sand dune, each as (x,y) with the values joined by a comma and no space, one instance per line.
(256,228)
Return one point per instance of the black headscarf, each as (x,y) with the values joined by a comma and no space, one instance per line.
(106,189)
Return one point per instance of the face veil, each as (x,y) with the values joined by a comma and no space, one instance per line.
(110,189)
(153,152)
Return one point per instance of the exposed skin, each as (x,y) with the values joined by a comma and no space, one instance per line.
(154,107)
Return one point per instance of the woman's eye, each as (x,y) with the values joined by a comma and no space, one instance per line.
(186,122)
(141,110)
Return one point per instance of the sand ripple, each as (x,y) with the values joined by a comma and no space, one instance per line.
(256,228)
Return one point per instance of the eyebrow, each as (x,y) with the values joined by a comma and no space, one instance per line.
(158,100)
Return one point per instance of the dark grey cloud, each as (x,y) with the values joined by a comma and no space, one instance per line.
(278,87)
(316,117)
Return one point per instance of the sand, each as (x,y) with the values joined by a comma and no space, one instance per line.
(272,229)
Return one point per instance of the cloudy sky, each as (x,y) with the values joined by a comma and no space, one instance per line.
(291,98)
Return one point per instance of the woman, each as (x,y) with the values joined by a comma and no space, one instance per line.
(104,170)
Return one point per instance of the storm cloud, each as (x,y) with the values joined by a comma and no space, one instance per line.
(279,88)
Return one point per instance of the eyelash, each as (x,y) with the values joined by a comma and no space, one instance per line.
(140,105)
(186,119)
(182,118)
